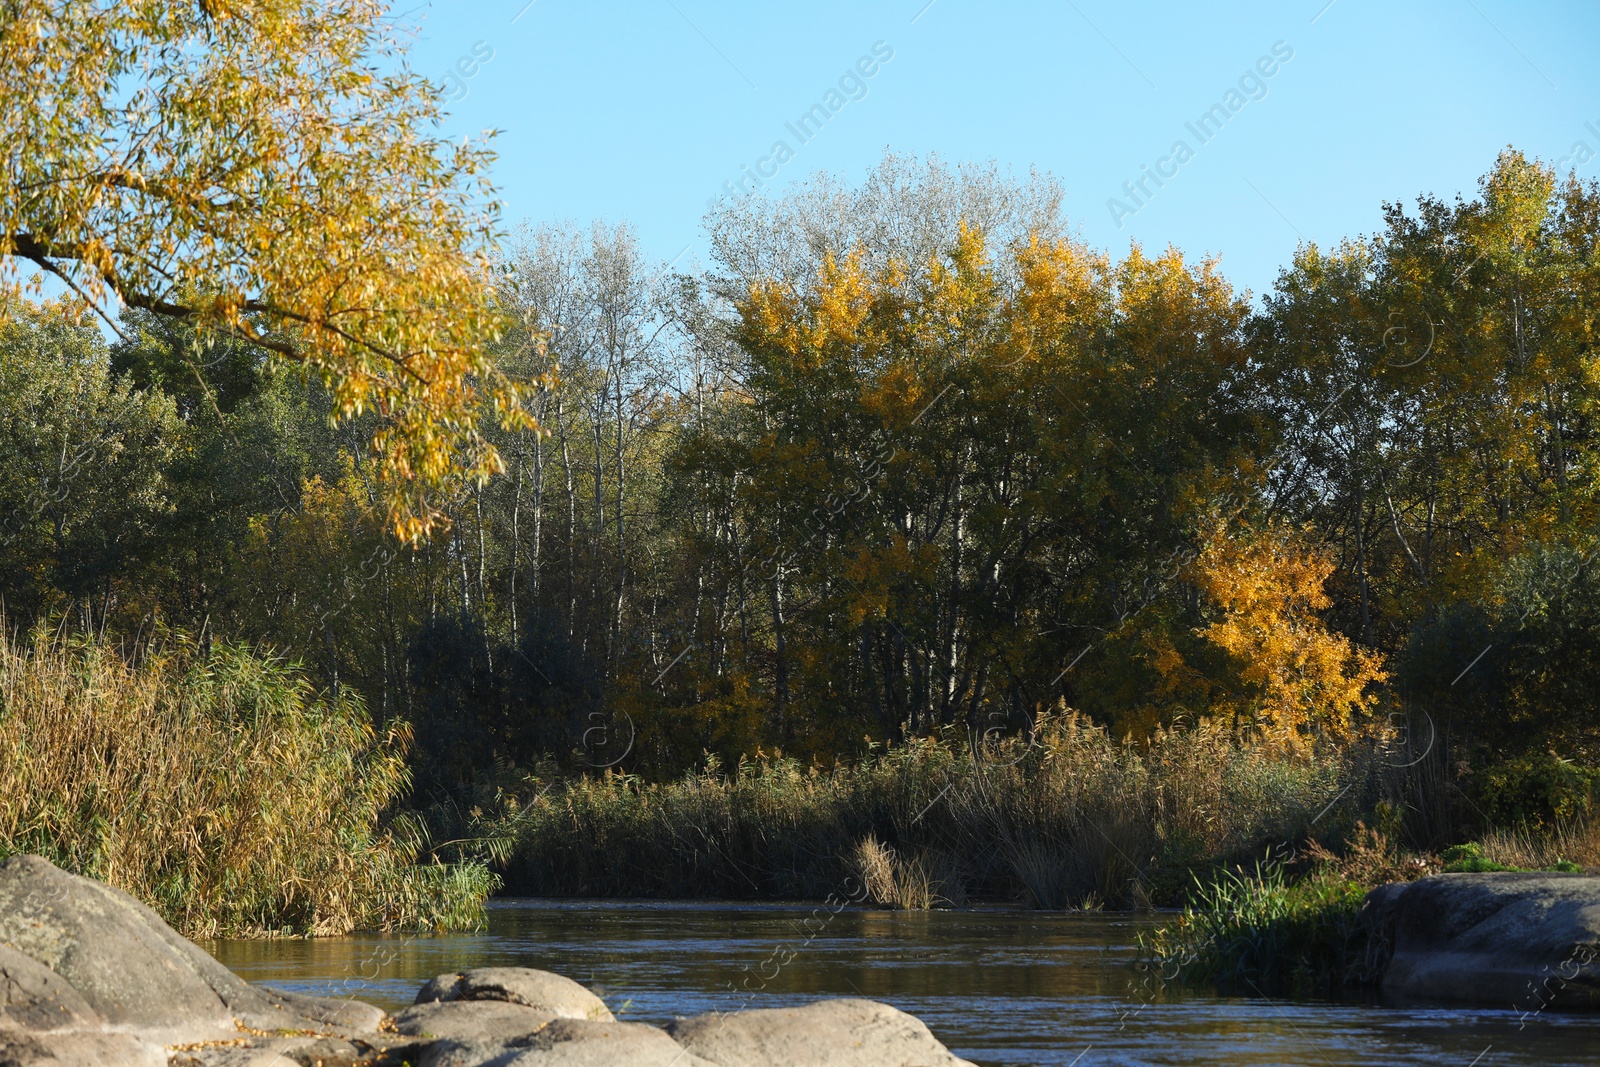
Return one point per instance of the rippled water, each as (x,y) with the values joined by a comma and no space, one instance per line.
(998,987)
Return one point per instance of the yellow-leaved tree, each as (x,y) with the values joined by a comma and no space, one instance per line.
(1291,673)
(264,168)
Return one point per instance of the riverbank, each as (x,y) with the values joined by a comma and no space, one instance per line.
(1332,924)
(92,977)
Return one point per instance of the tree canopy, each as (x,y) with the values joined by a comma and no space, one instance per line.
(266,169)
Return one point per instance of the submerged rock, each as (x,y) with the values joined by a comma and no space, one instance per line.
(1530,941)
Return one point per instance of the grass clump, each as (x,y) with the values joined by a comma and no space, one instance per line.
(1260,932)
(892,881)
(1472,857)
(1277,931)
(217,787)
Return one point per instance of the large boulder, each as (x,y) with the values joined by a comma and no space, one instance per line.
(561,997)
(131,971)
(1530,941)
(570,1043)
(829,1033)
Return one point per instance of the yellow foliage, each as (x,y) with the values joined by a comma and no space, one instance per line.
(248,169)
(1293,673)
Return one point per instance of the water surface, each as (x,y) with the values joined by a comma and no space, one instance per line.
(1000,987)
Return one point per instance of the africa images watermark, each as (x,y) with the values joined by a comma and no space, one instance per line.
(1252,85)
(852,85)
(466,68)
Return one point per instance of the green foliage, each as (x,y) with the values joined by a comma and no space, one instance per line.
(84,463)
(1260,933)
(1470,858)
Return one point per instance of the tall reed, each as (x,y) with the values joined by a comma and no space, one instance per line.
(1072,818)
(219,788)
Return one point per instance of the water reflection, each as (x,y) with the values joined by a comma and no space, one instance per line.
(1000,987)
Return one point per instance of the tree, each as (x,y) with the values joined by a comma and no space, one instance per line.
(264,168)
(84,490)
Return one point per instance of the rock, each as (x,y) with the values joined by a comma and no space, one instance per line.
(1527,940)
(343,1014)
(471,1020)
(561,997)
(570,1043)
(829,1033)
(134,972)
(80,1049)
(273,1052)
(33,997)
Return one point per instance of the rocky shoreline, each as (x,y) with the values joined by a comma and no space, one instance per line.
(90,976)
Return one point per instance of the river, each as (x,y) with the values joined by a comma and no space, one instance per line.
(1000,987)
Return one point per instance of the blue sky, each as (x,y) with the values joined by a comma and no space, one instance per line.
(641,110)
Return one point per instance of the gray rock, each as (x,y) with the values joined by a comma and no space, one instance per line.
(84,1049)
(342,1014)
(1529,941)
(471,1020)
(273,1052)
(829,1033)
(440,987)
(33,997)
(561,997)
(570,1043)
(135,972)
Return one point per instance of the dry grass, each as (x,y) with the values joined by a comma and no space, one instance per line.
(1575,842)
(220,789)
(1072,819)
(893,881)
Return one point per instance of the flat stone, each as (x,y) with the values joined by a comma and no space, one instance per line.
(135,972)
(471,1020)
(1530,941)
(78,1049)
(560,996)
(847,1032)
(570,1043)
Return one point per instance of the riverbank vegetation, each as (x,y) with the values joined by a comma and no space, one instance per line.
(1293,924)
(911,539)
(218,787)
(1069,817)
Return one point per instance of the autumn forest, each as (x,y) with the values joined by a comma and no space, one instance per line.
(907,458)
